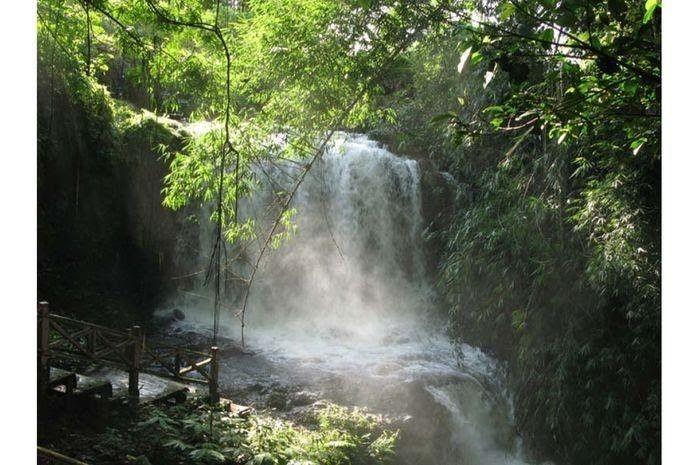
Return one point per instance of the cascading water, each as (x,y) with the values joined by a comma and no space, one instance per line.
(356,256)
(345,308)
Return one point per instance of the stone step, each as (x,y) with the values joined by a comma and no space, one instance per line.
(68,382)
(93,386)
(62,380)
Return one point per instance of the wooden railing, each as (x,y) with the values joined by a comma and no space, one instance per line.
(60,337)
(181,363)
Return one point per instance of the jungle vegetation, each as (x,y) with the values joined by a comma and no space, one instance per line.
(545,112)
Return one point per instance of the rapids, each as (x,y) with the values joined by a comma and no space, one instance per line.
(344,310)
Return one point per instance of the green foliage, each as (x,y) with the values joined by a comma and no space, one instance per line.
(119,42)
(296,67)
(331,435)
(548,116)
(339,436)
(552,259)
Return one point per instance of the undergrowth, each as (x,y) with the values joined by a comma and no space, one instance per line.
(187,434)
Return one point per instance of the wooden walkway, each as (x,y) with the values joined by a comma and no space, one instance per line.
(129,368)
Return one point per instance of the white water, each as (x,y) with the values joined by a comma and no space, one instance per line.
(348,298)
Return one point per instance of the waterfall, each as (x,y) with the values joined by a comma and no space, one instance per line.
(356,255)
(346,303)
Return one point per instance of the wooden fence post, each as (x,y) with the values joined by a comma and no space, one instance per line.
(214,376)
(92,341)
(134,363)
(43,343)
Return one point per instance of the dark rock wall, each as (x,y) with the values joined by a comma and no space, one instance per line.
(106,245)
